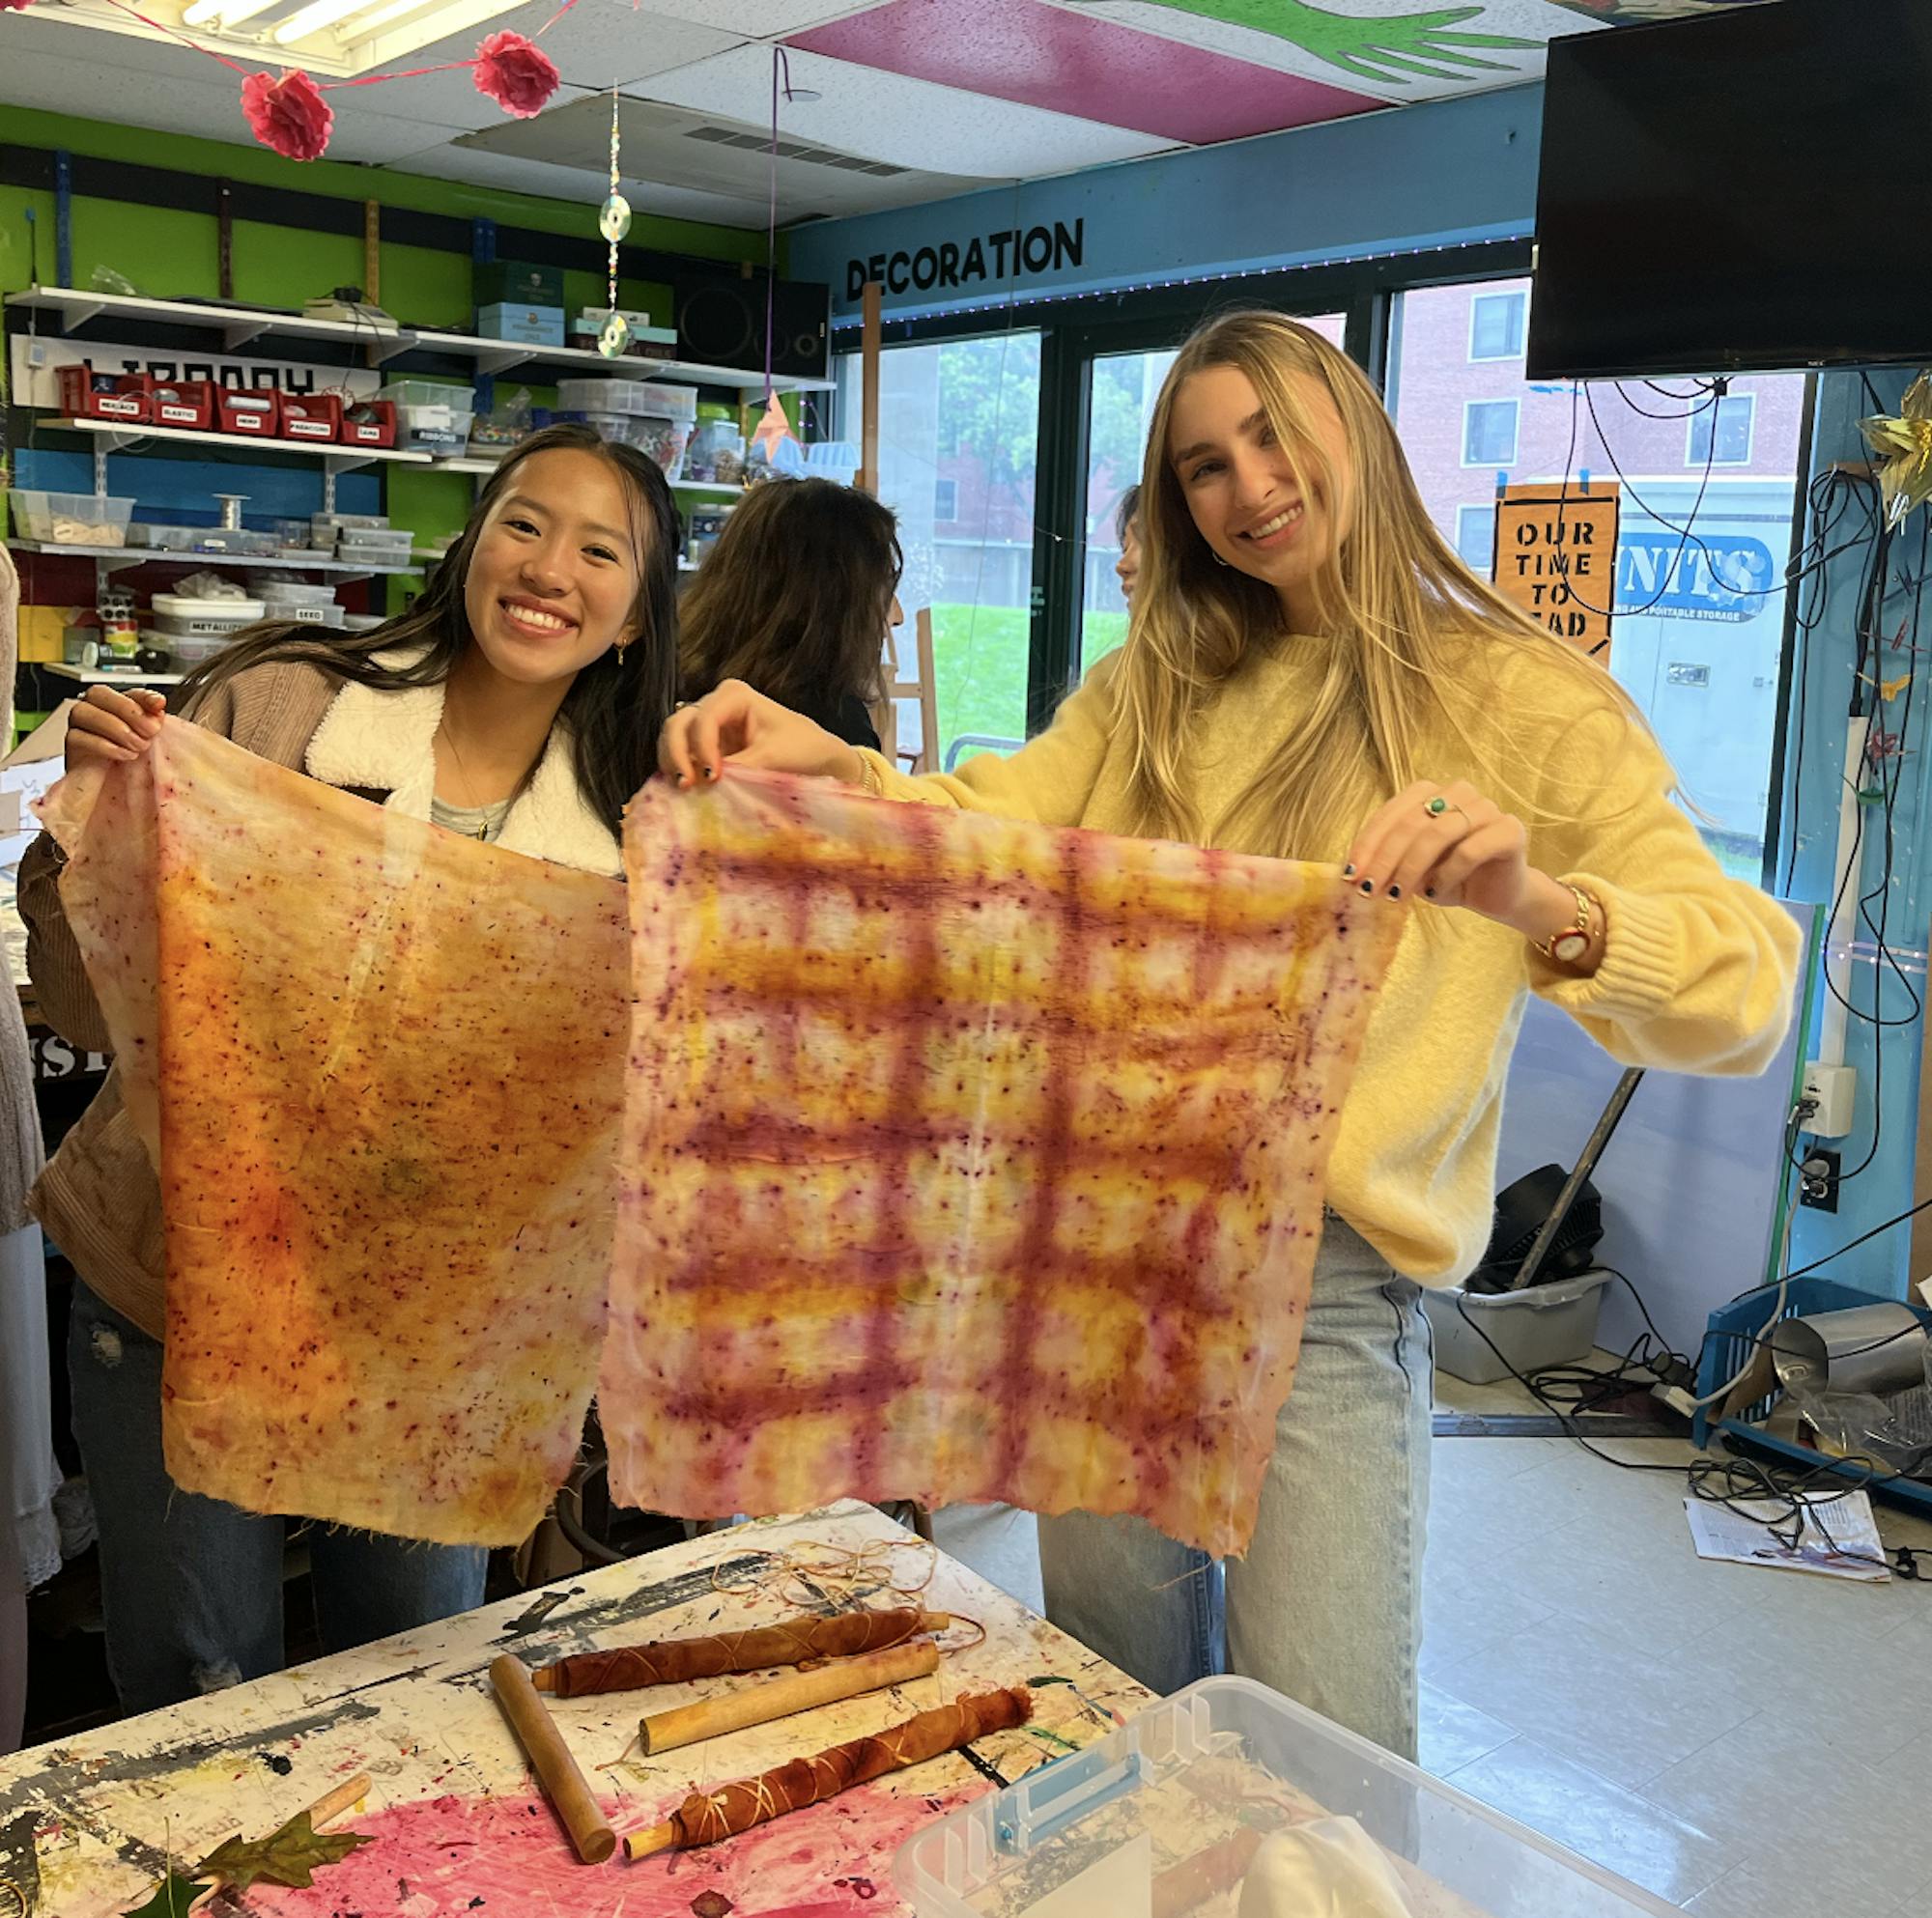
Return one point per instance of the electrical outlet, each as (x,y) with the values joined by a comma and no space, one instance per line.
(1831,1090)
(1818,1180)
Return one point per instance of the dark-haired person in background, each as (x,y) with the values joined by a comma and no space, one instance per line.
(795,600)
(517,701)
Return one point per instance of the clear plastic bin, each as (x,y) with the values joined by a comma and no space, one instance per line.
(154,537)
(1168,1814)
(180,618)
(71,518)
(661,440)
(431,417)
(628,396)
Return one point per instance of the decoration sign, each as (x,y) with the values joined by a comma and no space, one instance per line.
(979,261)
(1556,558)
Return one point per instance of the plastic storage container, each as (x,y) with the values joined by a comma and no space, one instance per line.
(835,460)
(71,519)
(286,599)
(180,618)
(430,416)
(660,440)
(1542,1325)
(1169,1813)
(628,396)
(375,545)
(717,455)
(154,537)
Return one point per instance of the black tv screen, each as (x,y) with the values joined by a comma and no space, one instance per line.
(1746,190)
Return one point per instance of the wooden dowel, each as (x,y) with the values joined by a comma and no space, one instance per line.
(781,1697)
(543,1743)
(643,1844)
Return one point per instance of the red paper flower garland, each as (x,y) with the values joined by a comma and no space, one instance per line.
(515,73)
(289,116)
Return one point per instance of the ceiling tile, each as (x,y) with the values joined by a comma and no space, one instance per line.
(1370,46)
(1082,65)
(512,175)
(905,121)
(762,19)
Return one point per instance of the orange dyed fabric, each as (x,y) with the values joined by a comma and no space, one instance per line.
(380,1065)
(967,1159)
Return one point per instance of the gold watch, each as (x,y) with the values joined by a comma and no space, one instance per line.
(1569,945)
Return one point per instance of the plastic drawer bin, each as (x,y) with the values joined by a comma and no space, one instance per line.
(1166,1814)
(71,518)
(1542,1325)
(1733,1331)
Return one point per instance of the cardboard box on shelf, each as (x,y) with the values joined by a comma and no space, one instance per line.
(522,325)
(516,283)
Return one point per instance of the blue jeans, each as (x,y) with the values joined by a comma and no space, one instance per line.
(1326,1608)
(190,1587)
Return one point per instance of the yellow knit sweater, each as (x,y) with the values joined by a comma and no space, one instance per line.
(1697,968)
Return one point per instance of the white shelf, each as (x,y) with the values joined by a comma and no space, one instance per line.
(463,464)
(343,570)
(709,488)
(87,677)
(118,436)
(236,327)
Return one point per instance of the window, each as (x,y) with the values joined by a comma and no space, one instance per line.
(1495,325)
(972,405)
(1730,420)
(1476,537)
(1669,593)
(1488,433)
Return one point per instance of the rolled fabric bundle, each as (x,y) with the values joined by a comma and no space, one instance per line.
(707,1817)
(672,1661)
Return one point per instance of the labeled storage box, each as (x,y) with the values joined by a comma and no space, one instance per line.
(124,397)
(316,416)
(1481,1335)
(369,423)
(180,618)
(184,403)
(432,415)
(522,325)
(1227,1798)
(255,412)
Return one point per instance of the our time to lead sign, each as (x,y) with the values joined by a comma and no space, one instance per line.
(1556,558)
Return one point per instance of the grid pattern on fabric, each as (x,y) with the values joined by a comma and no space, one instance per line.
(968,1159)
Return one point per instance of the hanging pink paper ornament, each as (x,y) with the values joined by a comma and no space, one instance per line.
(515,73)
(13,5)
(288,116)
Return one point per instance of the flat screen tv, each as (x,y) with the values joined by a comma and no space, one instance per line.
(1739,192)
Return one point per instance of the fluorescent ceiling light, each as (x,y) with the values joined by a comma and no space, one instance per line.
(230,12)
(313,17)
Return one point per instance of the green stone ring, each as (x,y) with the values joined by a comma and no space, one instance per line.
(1438,806)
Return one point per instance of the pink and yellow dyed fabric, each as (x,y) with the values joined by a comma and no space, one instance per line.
(967,1159)
(380,1066)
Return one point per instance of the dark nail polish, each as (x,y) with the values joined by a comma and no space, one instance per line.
(1395,892)
(1348,872)
(1428,893)
(1367,886)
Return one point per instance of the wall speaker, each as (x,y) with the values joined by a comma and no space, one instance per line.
(721,321)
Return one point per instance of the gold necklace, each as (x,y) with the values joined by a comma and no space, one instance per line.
(449,739)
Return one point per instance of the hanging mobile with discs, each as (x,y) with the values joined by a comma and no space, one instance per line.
(613,222)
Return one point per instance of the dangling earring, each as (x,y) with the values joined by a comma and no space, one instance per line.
(623,645)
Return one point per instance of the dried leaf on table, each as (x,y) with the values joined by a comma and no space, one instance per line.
(285,1858)
(172,1897)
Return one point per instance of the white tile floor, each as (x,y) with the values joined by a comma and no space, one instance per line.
(1746,1743)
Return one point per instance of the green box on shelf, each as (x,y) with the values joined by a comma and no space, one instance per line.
(518,283)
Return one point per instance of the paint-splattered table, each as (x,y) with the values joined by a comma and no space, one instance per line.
(86,1827)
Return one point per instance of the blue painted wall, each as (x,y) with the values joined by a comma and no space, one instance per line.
(1444,174)
(1886,1061)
